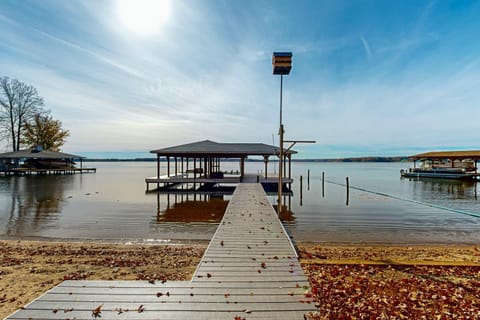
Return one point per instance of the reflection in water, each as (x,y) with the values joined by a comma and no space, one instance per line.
(32,199)
(286,214)
(193,207)
(443,189)
(188,208)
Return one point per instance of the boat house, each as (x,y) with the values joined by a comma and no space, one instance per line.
(38,161)
(198,165)
(444,164)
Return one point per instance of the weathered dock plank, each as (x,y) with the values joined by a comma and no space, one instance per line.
(251,246)
(164,315)
(250,269)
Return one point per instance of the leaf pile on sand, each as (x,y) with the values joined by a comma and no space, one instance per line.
(29,268)
(394,282)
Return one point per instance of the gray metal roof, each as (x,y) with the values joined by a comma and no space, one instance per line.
(207,147)
(33,154)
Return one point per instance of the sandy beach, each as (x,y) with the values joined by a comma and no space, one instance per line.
(381,281)
(29,268)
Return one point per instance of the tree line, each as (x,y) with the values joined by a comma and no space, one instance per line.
(24,121)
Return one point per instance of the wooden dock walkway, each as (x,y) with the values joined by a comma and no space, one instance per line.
(250,270)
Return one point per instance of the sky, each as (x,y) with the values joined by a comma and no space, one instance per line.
(369,78)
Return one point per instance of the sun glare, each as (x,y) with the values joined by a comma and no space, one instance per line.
(143,16)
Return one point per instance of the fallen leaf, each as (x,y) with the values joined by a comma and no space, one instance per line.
(97,311)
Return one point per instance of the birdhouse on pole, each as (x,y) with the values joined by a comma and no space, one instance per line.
(282,62)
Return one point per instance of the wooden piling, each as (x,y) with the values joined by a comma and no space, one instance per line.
(347,184)
(301,190)
(323,184)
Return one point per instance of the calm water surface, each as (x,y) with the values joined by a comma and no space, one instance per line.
(112,205)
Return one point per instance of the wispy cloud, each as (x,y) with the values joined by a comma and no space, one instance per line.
(98,56)
(7,20)
(366,46)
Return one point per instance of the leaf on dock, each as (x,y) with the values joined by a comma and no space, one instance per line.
(96,313)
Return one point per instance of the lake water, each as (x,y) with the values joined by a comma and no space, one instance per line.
(112,205)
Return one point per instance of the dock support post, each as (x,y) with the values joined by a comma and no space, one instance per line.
(265,160)
(323,184)
(168,166)
(194,173)
(301,191)
(347,184)
(158,206)
(242,168)
(158,171)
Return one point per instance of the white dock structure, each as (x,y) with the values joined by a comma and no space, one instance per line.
(250,270)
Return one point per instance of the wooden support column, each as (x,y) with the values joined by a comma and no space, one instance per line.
(168,166)
(265,160)
(194,168)
(181,166)
(205,166)
(176,169)
(158,206)
(194,177)
(158,166)
(242,167)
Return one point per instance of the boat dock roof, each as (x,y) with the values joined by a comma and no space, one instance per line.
(225,150)
(38,154)
(453,155)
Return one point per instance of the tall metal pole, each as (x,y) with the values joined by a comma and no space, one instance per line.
(280,159)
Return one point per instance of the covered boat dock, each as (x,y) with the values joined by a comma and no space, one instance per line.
(445,164)
(198,165)
(38,161)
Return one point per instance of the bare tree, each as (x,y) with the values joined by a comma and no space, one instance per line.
(19,103)
(45,132)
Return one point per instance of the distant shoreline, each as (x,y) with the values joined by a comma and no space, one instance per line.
(357,159)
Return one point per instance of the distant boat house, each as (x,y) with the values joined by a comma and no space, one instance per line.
(38,161)
(199,163)
(444,164)
(452,157)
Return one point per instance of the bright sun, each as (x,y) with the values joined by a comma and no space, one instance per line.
(143,16)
